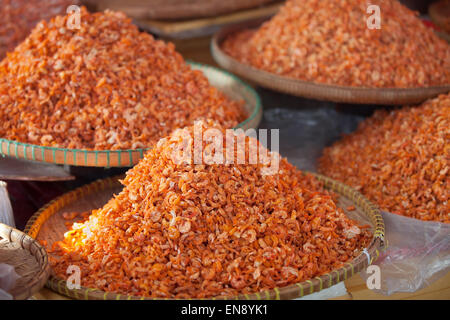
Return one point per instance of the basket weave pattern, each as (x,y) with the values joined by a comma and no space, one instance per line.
(290,292)
(36,274)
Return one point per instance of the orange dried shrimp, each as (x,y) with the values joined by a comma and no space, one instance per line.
(103,86)
(329,41)
(196,230)
(399,159)
(19,17)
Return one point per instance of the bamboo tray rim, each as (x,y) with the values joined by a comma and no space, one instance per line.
(366,257)
(110,158)
(29,244)
(315,90)
(182,11)
(186,29)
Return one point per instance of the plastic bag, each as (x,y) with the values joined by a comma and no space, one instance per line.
(8,278)
(417,254)
(6,212)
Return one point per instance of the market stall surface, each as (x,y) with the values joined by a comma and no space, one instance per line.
(356,290)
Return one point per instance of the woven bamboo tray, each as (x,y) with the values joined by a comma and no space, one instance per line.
(29,259)
(354,95)
(175,9)
(230,85)
(207,26)
(49,225)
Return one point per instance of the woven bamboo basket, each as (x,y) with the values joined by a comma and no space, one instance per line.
(175,9)
(354,95)
(48,224)
(229,84)
(29,259)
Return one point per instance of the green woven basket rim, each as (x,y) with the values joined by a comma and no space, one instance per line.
(364,259)
(85,153)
